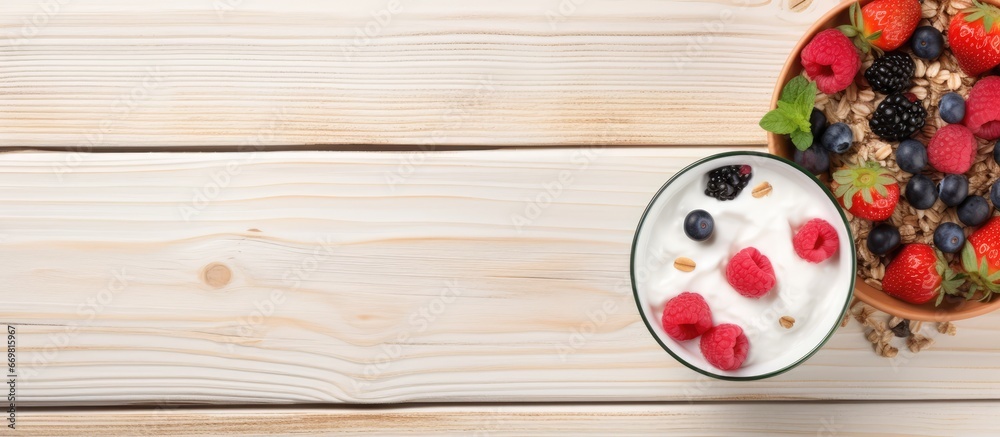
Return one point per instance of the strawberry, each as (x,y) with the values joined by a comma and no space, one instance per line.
(868,191)
(882,24)
(981,260)
(974,37)
(919,274)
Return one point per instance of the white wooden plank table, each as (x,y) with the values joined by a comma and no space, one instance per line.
(286,286)
(910,419)
(517,72)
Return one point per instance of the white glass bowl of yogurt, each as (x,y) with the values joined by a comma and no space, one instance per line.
(815,295)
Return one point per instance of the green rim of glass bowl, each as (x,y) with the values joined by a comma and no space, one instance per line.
(635,241)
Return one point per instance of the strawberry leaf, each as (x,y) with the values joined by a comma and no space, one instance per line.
(856,31)
(951,286)
(940,298)
(862,178)
(884,180)
(950,281)
(981,11)
(848,30)
(867,196)
(969,258)
(988,289)
(843,177)
(881,190)
(988,293)
(860,44)
(857,18)
(841,190)
(849,197)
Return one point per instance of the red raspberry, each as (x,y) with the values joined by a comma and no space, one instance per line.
(831,60)
(750,273)
(725,346)
(952,149)
(982,108)
(816,241)
(686,316)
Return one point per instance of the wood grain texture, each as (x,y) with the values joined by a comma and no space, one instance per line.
(337,286)
(919,419)
(115,73)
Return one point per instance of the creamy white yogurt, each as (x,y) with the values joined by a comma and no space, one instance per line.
(814,294)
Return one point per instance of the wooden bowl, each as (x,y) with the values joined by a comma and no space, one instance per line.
(780,145)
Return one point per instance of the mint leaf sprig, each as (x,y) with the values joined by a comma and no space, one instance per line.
(791,117)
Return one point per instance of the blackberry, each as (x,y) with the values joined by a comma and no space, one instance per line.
(890,73)
(897,118)
(725,183)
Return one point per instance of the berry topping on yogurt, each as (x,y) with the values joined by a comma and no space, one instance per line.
(686,316)
(750,273)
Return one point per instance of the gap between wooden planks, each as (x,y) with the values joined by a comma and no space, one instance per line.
(229,73)
(911,419)
(359,277)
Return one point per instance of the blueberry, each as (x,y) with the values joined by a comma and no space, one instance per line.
(951,108)
(815,159)
(883,239)
(817,123)
(911,156)
(953,189)
(996,152)
(995,194)
(973,211)
(837,138)
(949,237)
(698,225)
(920,192)
(927,42)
